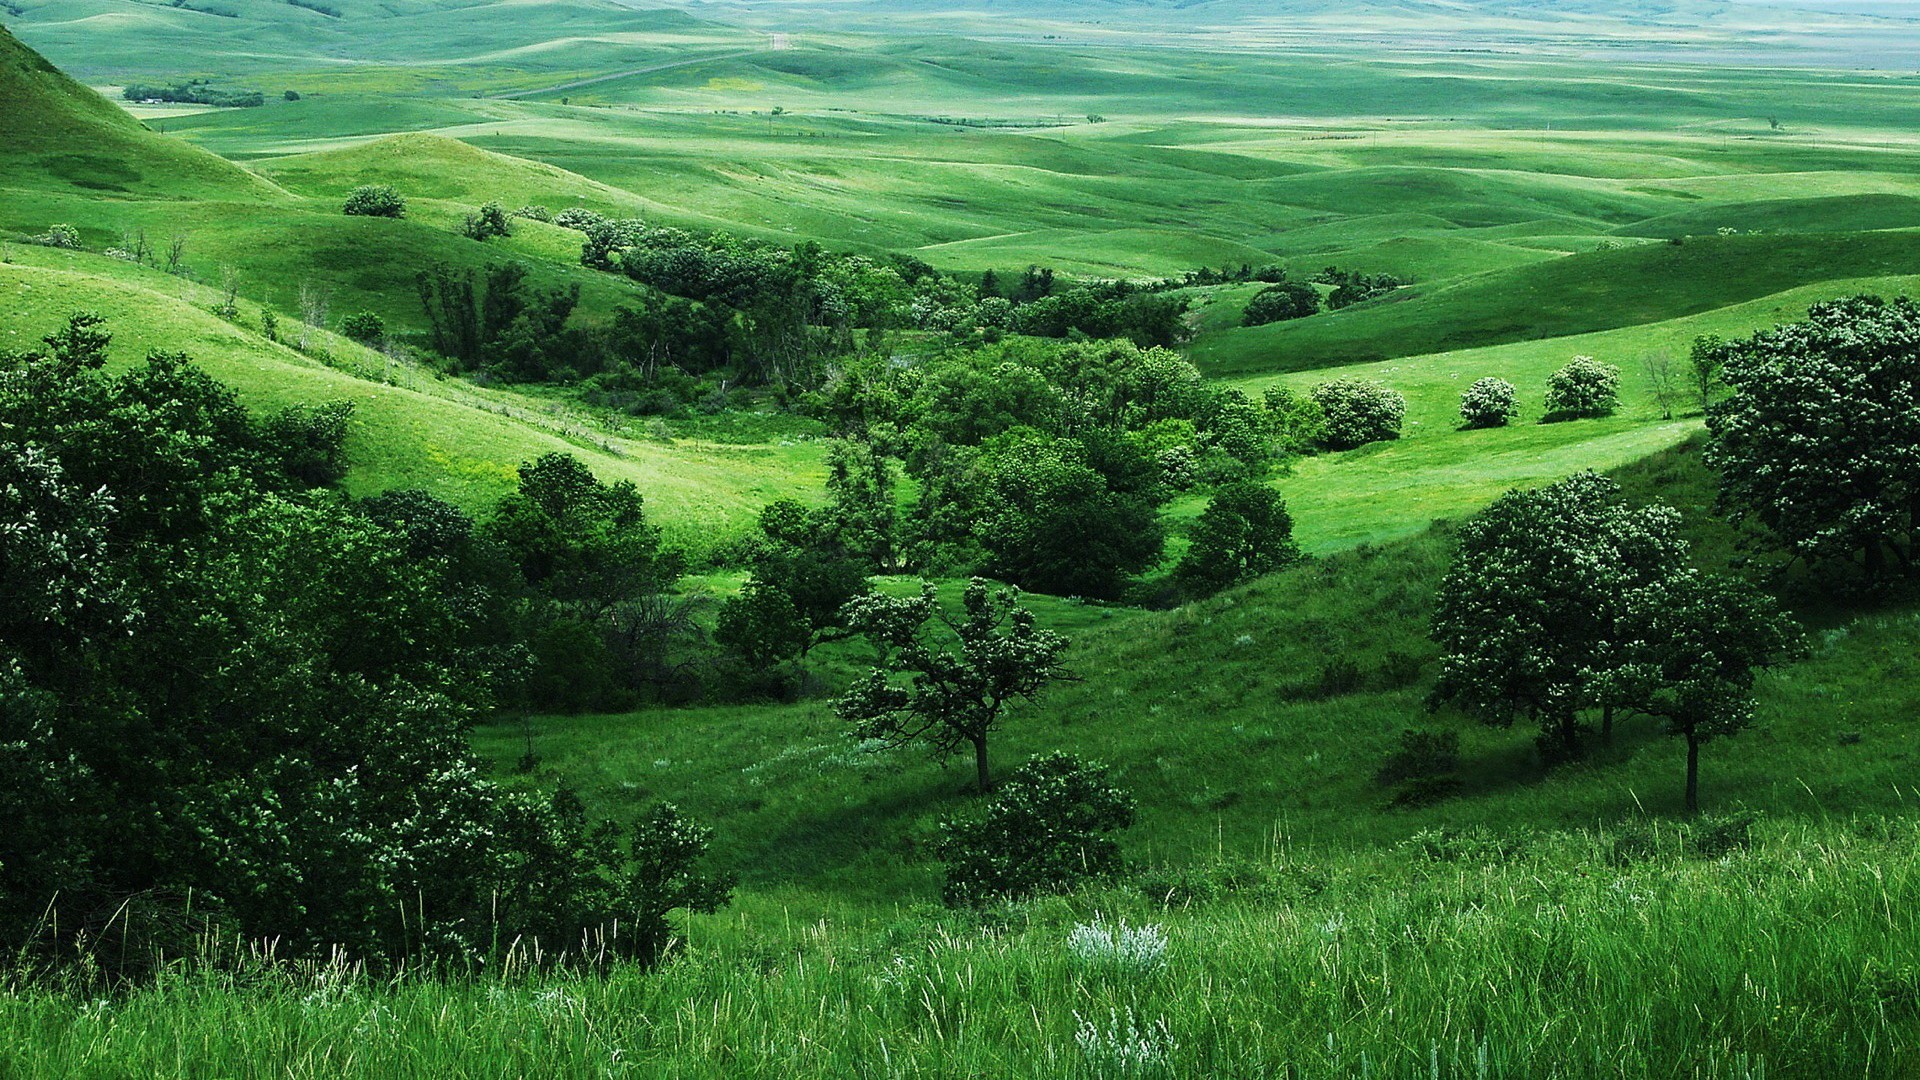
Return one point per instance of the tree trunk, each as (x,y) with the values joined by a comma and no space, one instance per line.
(1693,773)
(980,763)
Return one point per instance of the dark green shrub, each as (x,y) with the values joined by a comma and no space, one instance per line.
(375,200)
(486,223)
(1049,828)
(366,327)
(1421,754)
(309,441)
(1292,300)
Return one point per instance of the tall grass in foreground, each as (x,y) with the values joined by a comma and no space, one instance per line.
(1638,953)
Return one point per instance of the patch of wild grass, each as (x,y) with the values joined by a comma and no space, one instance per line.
(1796,953)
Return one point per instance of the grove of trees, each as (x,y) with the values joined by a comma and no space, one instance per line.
(237,703)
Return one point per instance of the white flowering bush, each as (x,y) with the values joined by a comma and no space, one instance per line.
(1129,950)
(1124,1047)
(1358,412)
(1489,403)
(1585,387)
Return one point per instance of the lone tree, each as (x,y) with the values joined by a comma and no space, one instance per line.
(960,672)
(1046,830)
(1690,646)
(1526,614)
(1243,533)
(1816,439)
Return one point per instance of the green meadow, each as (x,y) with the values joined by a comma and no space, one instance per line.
(1537,202)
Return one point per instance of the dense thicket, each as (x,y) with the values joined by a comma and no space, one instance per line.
(230,699)
(1046,464)
(195,92)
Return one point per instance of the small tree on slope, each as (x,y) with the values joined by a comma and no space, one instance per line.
(1525,615)
(959,680)
(1688,650)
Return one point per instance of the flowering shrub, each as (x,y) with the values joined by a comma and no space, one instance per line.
(1585,387)
(1358,412)
(1489,402)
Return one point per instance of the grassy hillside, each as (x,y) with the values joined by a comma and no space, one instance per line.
(1577,294)
(410,428)
(57,132)
(1526,958)
(1216,716)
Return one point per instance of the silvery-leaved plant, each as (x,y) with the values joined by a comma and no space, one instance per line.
(1132,950)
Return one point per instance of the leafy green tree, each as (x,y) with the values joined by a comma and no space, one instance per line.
(1585,387)
(1816,440)
(1243,430)
(762,625)
(585,544)
(1357,412)
(803,579)
(1299,426)
(1291,300)
(366,327)
(375,200)
(309,442)
(1527,615)
(489,221)
(1706,365)
(960,672)
(1244,532)
(1689,647)
(1490,402)
(1049,828)
(1069,517)
(862,514)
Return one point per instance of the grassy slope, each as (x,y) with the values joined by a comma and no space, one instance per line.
(63,134)
(1578,294)
(1205,715)
(1792,958)
(410,429)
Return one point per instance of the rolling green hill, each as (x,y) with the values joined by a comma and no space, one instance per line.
(54,131)
(1573,295)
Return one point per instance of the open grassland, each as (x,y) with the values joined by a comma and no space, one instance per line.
(1571,955)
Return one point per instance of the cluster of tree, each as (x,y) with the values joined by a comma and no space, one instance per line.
(1046,464)
(232,702)
(654,355)
(195,92)
(1351,286)
(1564,600)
